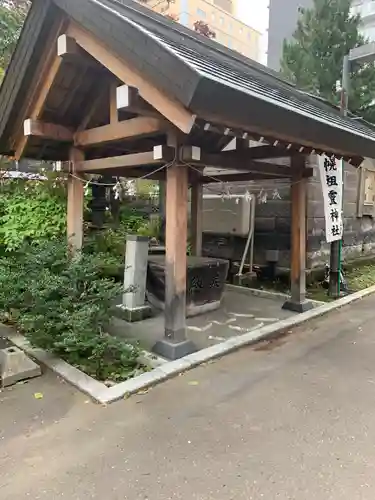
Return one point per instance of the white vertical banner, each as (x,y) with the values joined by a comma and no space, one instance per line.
(331,178)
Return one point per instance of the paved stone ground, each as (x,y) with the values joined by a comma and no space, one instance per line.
(240,312)
(291,419)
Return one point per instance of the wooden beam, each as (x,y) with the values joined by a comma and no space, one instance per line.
(249,176)
(196,218)
(298,302)
(127,129)
(233,160)
(75,203)
(37,128)
(148,158)
(166,105)
(265,152)
(37,107)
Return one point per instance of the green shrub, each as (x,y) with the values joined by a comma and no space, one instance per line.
(32,211)
(63,305)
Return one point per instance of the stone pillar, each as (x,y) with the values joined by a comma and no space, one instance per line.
(133,307)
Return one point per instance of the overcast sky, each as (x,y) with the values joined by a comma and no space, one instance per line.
(254,13)
(256,17)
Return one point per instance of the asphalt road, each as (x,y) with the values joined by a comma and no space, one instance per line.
(293,419)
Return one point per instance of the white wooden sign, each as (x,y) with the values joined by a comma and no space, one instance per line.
(331,177)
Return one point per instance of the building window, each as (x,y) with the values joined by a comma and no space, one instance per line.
(241,31)
(213,17)
(226,5)
(249,36)
(221,20)
(201,13)
(229,43)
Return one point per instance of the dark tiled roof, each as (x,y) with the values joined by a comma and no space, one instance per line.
(214,82)
(247,76)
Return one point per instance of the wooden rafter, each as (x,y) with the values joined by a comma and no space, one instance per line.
(296,145)
(167,106)
(41,85)
(39,102)
(265,152)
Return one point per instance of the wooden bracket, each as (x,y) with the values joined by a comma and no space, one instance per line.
(52,131)
(66,46)
(128,99)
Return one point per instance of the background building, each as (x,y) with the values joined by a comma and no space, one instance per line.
(366,9)
(283,17)
(220,17)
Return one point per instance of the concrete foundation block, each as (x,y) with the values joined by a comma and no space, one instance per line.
(16,366)
(298,307)
(174,350)
(132,315)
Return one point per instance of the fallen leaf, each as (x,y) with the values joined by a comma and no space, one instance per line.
(142,392)
(38,395)
(193,382)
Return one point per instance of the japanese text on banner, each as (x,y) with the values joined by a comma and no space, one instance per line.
(331,177)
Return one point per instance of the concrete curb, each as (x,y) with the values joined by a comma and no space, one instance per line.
(104,395)
(266,294)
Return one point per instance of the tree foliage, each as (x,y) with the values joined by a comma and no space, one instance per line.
(313,59)
(204,29)
(12,17)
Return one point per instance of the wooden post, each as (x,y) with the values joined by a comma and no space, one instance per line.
(162,214)
(196,218)
(175,345)
(75,204)
(298,302)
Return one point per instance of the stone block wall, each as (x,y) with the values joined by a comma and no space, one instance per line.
(273,220)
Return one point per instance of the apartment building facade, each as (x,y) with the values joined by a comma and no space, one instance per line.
(366,9)
(220,16)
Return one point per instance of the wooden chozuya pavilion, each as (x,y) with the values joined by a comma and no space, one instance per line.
(116,89)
